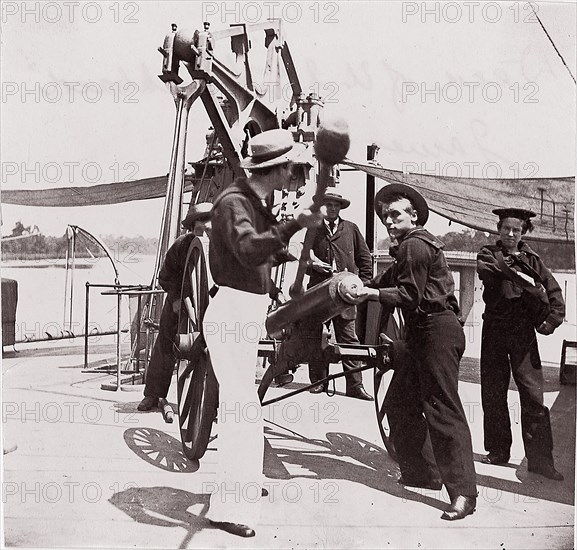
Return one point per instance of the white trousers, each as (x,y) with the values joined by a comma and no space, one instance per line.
(233,325)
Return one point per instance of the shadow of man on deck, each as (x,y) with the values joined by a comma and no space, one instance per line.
(325,459)
(532,485)
(330,459)
(164,507)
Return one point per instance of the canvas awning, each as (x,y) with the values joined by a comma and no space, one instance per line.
(470,201)
(94,195)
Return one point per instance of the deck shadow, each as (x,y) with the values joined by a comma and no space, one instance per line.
(379,471)
(164,507)
(159,449)
(534,486)
(328,459)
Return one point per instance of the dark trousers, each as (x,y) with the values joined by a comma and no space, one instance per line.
(162,361)
(345,333)
(506,348)
(423,402)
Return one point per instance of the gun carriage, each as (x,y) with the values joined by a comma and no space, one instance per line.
(238,110)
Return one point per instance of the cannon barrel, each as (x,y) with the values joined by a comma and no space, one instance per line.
(319,303)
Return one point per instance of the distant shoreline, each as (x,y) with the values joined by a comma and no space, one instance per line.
(79,263)
(31,256)
(42,264)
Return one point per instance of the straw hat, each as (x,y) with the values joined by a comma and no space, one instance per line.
(271,148)
(345,203)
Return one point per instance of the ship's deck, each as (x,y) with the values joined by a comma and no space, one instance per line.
(89,470)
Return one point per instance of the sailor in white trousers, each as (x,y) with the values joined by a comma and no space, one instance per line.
(244,241)
(236,317)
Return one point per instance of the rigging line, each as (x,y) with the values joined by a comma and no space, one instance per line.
(553,43)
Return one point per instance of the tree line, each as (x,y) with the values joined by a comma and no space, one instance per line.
(27,243)
(31,244)
(556,255)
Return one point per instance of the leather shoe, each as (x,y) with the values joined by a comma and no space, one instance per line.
(461,506)
(234,528)
(321,388)
(148,403)
(358,392)
(494,458)
(546,471)
(431,484)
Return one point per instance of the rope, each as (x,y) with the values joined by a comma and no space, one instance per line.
(553,43)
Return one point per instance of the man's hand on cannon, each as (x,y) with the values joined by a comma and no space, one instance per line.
(352,290)
(367,293)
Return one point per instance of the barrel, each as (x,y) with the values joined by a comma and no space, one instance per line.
(319,303)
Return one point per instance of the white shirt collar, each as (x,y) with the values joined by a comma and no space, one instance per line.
(337,221)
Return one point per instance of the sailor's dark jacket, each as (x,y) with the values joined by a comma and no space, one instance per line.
(244,240)
(419,281)
(502,296)
(172,270)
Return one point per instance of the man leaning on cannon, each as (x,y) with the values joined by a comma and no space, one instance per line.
(423,393)
(244,240)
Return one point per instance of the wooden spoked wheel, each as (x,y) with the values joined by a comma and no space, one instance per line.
(382,380)
(197,387)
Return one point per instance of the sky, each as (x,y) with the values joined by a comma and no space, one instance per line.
(472,89)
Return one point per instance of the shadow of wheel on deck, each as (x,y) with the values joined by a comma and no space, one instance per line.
(363,451)
(159,449)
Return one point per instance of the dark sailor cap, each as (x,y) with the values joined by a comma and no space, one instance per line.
(197,213)
(520,213)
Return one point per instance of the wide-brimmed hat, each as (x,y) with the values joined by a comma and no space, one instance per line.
(271,148)
(400,189)
(197,212)
(520,213)
(345,203)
